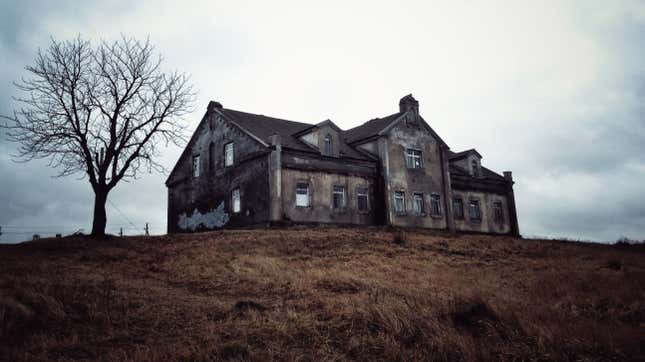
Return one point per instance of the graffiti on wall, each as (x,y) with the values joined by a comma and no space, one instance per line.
(215,218)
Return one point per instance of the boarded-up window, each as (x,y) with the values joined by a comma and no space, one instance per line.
(435,204)
(458,208)
(338,197)
(474,211)
(236,201)
(413,158)
(302,194)
(229,154)
(196,166)
(498,212)
(362,199)
(399,201)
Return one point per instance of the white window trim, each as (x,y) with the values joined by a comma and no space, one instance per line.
(418,196)
(344,197)
(411,156)
(308,194)
(435,196)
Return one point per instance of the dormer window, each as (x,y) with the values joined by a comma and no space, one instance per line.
(474,168)
(327,146)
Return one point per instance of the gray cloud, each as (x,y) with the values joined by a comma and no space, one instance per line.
(553,92)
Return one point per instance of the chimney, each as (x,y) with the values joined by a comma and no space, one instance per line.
(508,175)
(212,105)
(408,102)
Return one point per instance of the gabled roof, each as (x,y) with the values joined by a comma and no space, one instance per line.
(462,154)
(263,127)
(370,128)
(378,126)
(487,174)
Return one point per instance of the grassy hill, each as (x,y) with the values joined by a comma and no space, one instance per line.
(321,294)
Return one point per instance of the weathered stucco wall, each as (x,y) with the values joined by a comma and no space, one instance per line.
(204,202)
(487,224)
(398,177)
(320,188)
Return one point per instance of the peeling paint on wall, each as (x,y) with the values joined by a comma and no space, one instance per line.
(215,218)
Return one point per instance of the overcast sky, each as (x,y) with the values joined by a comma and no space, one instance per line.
(552,90)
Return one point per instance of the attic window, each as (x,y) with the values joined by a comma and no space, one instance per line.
(474,165)
(327,147)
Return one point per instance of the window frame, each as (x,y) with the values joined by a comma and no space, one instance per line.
(435,199)
(308,194)
(418,196)
(474,165)
(197,166)
(477,218)
(343,205)
(328,145)
(460,215)
(239,200)
(226,146)
(410,158)
(498,212)
(362,191)
(400,193)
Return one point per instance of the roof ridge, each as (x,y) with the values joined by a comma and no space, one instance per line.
(271,117)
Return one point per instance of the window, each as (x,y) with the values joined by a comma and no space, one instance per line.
(399,202)
(361,198)
(458,208)
(235,198)
(435,204)
(211,155)
(196,166)
(474,211)
(413,158)
(498,212)
(327,150)
(302,194)
(474,167)
(338,197)
(417,203)
(229,154)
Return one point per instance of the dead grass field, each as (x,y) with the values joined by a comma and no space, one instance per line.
(322,294)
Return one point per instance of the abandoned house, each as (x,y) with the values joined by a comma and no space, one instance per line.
(244,169)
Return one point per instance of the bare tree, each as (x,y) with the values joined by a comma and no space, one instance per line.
(101,111)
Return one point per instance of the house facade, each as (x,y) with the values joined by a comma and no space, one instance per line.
(243,169)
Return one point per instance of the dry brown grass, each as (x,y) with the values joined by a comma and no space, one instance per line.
(321,294)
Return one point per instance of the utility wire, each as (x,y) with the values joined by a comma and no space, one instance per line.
(122,214)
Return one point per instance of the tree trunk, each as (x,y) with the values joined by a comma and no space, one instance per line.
(100,218)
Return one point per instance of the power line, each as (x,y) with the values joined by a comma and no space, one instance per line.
(122,214)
